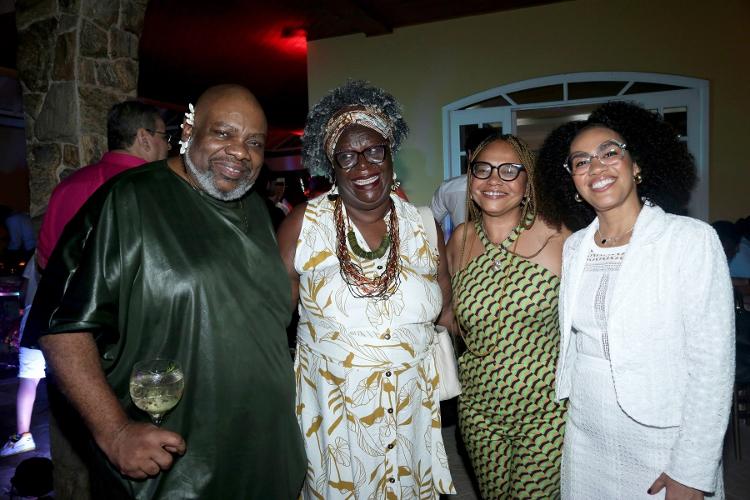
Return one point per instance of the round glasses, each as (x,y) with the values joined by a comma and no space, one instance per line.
(608,153)
(349,159)
(506,171)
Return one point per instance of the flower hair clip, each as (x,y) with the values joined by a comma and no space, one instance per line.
(190,120)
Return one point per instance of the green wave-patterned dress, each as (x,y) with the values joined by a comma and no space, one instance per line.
(510,421)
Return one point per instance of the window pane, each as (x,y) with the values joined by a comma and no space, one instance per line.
(466,131)
(493,102)
(645,88)
(585,90)
(538,94)
(677,117)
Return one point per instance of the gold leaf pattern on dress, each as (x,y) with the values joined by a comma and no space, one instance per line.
(365,376)
(314,426)
(316,259)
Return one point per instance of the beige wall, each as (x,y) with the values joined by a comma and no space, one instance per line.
(431,65)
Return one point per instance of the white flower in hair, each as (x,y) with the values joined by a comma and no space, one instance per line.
(190,120)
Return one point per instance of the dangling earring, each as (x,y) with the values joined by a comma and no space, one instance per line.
(190,120)
(524,200)
(184,145)
(638,178)
(396,183)
(577,197)
(333,193)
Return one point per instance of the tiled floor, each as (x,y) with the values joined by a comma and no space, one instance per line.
(736,473)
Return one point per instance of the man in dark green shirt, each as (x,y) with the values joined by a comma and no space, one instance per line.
(177,259)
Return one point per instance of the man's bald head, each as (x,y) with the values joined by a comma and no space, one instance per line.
(225,141)
(228,93)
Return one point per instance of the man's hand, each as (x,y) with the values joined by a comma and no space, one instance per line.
(139,450)
(675,490)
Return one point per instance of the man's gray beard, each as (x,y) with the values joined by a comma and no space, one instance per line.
(206,180)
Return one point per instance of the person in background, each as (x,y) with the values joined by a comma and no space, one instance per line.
(31,369)
(276,194)
(739,266)
(178,260)
(21,239)
(265,190)
(505,265)
(729,237)
(647,343)
(135,135)
(370,286)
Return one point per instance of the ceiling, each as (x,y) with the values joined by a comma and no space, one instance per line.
(188,45)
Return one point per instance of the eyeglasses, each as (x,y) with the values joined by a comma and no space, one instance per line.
(608,153)
(506,171)
(167,137)
(374,155)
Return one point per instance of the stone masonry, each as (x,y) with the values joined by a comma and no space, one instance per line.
(76,58)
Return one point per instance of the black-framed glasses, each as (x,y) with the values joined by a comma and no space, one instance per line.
(608,153)
(373,154)
(506,171)
(167,137)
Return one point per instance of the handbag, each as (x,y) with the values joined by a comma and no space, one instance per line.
(442,343)
(445,363)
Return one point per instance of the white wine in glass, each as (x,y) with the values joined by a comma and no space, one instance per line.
(156,386)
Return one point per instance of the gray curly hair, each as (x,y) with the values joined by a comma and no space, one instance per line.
(355,93)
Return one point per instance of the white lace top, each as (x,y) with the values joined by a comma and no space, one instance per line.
(590,317)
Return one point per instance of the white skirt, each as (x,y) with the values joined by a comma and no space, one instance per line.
(607,454)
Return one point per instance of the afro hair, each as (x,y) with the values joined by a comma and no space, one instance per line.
(667,168)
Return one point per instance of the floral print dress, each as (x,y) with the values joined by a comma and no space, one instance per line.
(367,388)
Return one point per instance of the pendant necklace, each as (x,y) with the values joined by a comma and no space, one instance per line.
(612,239)
(497,263)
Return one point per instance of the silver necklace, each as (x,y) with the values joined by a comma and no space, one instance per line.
(612,239)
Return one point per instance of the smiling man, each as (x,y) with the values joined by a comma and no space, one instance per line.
(178,260)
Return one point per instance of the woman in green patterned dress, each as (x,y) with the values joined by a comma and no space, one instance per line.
(505,264)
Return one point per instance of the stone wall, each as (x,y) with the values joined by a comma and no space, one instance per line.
(76,58)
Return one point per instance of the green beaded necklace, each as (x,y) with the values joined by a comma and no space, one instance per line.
(364,254)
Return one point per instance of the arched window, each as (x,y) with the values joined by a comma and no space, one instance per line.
(533,108)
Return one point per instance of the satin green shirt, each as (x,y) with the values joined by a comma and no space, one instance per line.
(155,268)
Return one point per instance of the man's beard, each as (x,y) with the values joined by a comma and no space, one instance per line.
(205,180)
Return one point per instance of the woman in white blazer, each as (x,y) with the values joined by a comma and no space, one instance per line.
(647,327)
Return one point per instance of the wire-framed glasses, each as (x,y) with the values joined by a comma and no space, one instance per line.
(608,153)
(167,137)
(373,154)
(506,171)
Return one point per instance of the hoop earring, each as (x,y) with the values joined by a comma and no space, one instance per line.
(578,198)
(638,178)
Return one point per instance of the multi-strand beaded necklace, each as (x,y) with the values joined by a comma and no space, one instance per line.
(378,287)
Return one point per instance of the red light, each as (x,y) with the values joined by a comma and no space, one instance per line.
(289,40)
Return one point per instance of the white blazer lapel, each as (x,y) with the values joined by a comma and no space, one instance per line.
(575,260)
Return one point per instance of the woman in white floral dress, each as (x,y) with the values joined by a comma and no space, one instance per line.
(370,287)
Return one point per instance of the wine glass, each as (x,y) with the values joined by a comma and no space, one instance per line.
(156,386)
